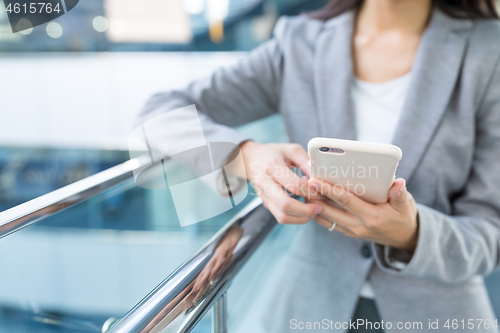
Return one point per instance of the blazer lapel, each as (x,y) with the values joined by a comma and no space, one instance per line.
(332,78)
(434,74)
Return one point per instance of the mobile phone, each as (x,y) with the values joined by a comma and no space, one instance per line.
(366,169)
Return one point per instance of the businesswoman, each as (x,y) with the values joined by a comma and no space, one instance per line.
(421,74)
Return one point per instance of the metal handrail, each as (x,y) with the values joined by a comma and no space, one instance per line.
(183,298)
(186,295)
(18,217)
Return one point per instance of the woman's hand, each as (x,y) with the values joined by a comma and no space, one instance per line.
(393,223)
(268,169)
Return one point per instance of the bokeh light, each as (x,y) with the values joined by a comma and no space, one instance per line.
(193,7)
(100,23)
(54,30)
(24,26)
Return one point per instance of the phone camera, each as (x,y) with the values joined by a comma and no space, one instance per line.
(324,149)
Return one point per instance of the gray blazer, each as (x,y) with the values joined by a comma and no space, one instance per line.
(450,136)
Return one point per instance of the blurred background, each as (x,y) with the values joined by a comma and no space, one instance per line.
(155,25)
(69,92)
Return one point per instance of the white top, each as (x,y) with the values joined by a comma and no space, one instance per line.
(378,108)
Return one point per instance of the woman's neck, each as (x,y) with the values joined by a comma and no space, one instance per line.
(379,16)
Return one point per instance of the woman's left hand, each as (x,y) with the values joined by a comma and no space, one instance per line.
(393,223)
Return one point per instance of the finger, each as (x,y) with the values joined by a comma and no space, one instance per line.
(312,193)
(339,228)
(297,156)
(338,215)
(293,183)
(189,295)
(201,293)
(324,222)
(222,259)
(220,267)
(189,299)
(342,197)
(321,199)
(288,179)
(284,218)
(273,191)
(398,194)
(203,276)
(218,264)
(202,279)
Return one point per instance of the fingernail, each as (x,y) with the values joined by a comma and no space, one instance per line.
(317,211)
(402,189)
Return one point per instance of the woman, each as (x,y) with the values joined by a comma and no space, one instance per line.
(421,74)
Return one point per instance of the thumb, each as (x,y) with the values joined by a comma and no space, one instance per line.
(398,193)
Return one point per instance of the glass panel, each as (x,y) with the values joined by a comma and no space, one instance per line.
(493,286)
(102,264)
(251,291)
(72,271)
(27,173)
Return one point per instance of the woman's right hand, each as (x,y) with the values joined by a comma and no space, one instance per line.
(267,167)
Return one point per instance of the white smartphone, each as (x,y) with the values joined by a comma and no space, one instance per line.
(366,169)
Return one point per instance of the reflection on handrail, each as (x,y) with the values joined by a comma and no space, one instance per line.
(183,298)
(39,208)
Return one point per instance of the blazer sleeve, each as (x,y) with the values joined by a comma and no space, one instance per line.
(457,247)
(230,97)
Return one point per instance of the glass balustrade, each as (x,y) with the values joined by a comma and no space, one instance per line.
(73,270)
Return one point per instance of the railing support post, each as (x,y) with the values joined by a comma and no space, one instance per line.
(219,319)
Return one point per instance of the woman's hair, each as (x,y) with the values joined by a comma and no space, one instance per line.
(474,9)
